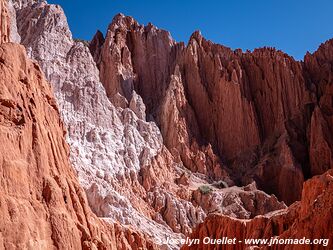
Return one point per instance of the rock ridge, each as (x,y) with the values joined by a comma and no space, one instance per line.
(267,89)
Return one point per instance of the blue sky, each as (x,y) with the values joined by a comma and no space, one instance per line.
(293,26)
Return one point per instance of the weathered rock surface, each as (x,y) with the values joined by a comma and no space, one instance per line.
(118,155)
(143,58)
(179,128)
(13,36)
(247,113)
(243,203)
(108,146)
(147,71)
(42,205)
(310,218)
(319,71)
(251,85)
(4,22)
(20,4)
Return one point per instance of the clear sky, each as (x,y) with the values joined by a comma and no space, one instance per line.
(294,26)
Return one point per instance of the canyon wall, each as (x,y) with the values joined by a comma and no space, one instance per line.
(246,113)
(117,149)
(161,135)
(118,155)
(318,67)
(260,116)
(252,108)
(42,203)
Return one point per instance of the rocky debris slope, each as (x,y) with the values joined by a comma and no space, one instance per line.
(42,205)
(310,218)
(238,202)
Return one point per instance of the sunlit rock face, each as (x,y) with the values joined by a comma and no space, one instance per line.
(220,112)
(119,156)
(42,205)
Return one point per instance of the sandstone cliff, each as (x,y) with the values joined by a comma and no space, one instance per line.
(261,130)
(42,203)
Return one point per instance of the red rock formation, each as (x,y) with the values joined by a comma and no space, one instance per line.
(180,129)
(4,22)
(216,107)
(136,56)
(310,218)
(262,115)
(143,58)
(319,71)
(213,79)
(248,105)
(41,202)
(222,113)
